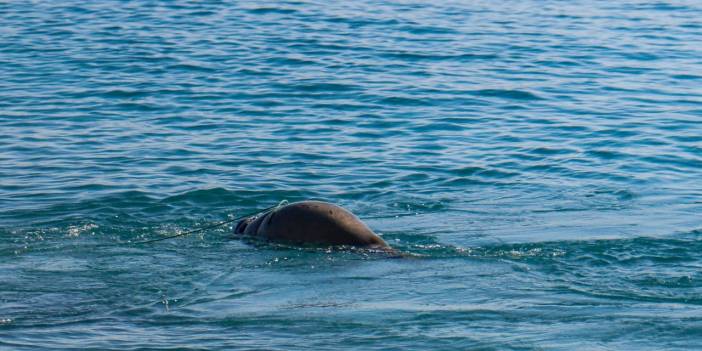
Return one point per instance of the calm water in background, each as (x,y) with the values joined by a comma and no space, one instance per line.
(542,160)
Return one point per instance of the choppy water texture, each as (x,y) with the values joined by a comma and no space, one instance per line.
(541,161)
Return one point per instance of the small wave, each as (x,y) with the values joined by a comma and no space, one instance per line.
(418,56)
(291,61)
(191,67)
(507,94)
(548,151)
(418,29)
(483,172)
(271,10)
(606,154)
(325,87)
(138,106)
(118,93)
(404,101)
(687,76)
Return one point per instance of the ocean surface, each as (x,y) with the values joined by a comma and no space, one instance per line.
(538,163)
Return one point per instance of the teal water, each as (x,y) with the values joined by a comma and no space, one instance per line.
(539,161)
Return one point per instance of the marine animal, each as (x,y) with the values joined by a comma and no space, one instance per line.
(311,222)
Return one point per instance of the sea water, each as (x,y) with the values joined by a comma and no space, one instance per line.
(539,164)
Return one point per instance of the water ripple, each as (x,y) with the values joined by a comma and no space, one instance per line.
(537,163)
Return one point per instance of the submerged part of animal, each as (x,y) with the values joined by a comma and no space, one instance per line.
(312,222)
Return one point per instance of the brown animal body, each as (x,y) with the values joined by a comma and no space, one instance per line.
(311,222)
